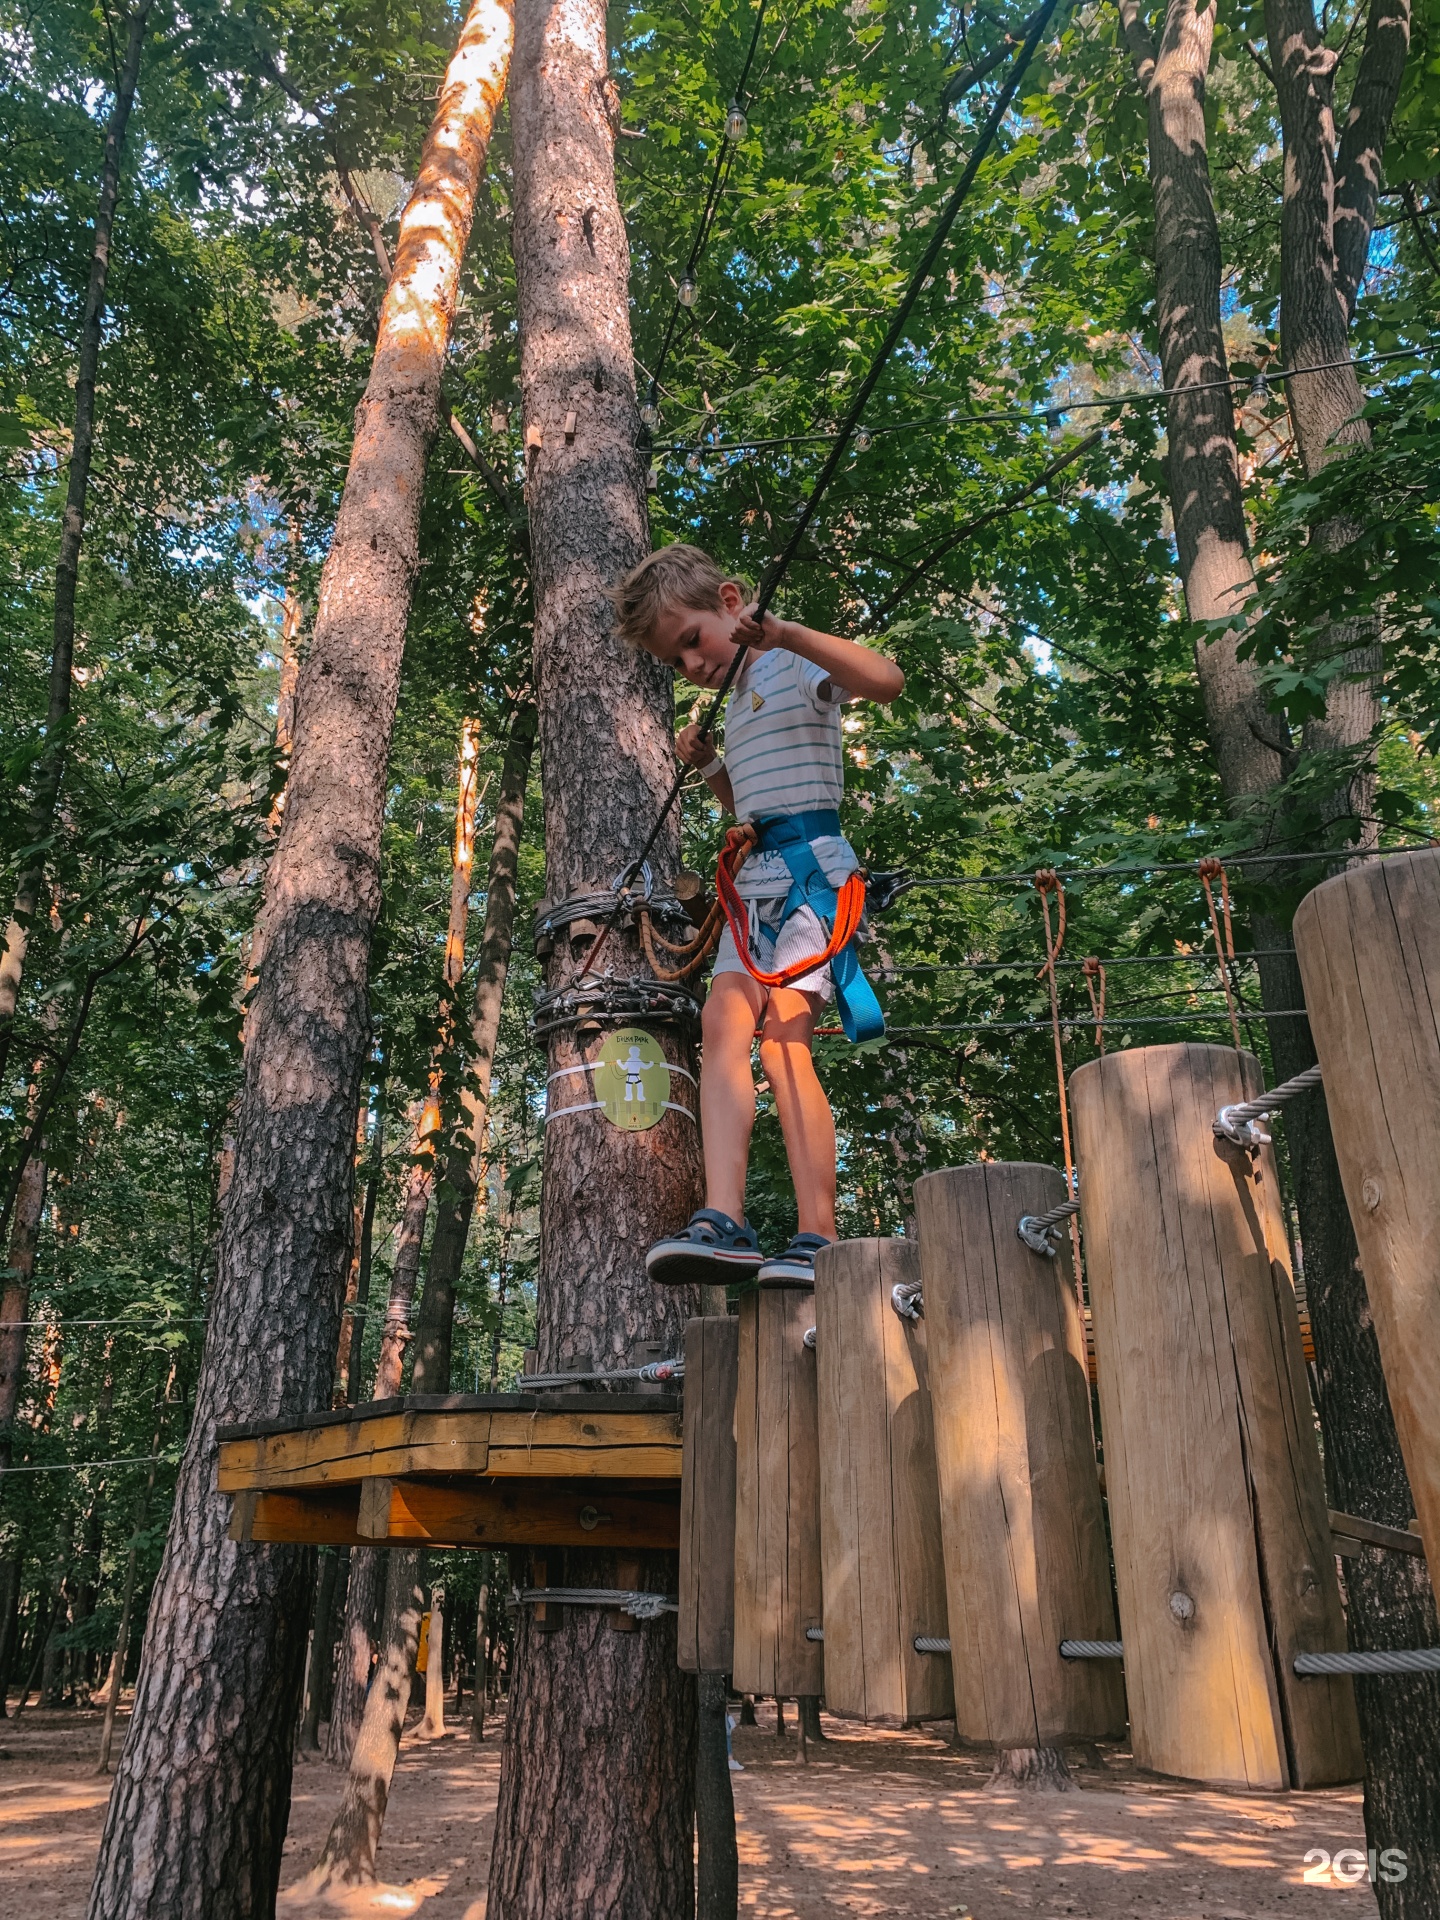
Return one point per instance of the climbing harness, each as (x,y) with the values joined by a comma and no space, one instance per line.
(839,911)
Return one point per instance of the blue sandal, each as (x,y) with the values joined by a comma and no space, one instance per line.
(706,1252)
(796,1266)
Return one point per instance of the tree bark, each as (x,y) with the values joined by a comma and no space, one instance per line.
(359,1643)
(51,770)
(197,1817)
(322,1654)
(432,1727)
(596,1808)
(465,1150)
(348,1857)
(1203,467)
(15,1300)
(127,1602)
(482,1667)
(718,1877)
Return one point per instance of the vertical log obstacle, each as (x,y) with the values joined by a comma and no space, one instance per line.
(777,1500)
(706,1632)
(1223,1559)
(1368,943)
(882,1571)
(1026,1563)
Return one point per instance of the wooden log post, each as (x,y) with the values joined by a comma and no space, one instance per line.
(1026,1563)
(777,1500)
(1368,943)
(1223,1560)
(882,1572)
(705,1641)
(706,1634)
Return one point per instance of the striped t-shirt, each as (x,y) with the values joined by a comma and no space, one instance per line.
(783,755)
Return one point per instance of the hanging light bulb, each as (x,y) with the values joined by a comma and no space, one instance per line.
(692,460)
(687,292)
(1054,419)
(499,418)
(862,439)
(736,125)
(1260,387)
(649,413)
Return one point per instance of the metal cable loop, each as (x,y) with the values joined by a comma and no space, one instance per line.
(641,1606)
(1235,1123)
(1037,1230)
(907,1297)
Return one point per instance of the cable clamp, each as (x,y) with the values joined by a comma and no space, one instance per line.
(907,1297)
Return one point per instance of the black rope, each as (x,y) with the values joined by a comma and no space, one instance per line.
(781,565)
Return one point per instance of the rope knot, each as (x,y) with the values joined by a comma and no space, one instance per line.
(1211,868)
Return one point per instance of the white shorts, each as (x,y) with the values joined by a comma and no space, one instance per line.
(801,934)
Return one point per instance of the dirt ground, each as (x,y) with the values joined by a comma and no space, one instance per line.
(876,1824)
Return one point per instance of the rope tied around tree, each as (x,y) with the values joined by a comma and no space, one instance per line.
(640,1606)
(1211,869)
(696,951)
(1048,881)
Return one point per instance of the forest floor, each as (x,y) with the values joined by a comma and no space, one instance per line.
(876,1824)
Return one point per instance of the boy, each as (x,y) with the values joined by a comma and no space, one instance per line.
(782,759)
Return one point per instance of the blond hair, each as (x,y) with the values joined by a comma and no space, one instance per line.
(673,576)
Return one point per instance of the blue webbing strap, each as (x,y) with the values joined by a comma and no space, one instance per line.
(790,836)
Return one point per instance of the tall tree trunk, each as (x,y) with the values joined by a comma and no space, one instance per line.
(596,1806)
(432,1727)
(197,1817)
(14,1334)
(322,1655)
(366,1264)
(127,1599)
(1203,464)
(359,1643)
(51,770)
(482,1666)
(465,1150)
(1388,1600)
(348,1856)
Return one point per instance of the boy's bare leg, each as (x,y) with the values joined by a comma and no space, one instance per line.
(727,1087)
(805,1117)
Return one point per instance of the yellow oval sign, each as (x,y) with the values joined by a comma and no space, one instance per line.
(632,1079)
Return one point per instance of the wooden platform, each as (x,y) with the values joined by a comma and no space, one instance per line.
(490,1470)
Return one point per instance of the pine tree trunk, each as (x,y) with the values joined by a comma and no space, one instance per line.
(197,1817)
(596,1807)
(432,1727)
(348,1857)
(482,1667)
(15,1300)
(51,770)
(465,1151)
(359,1640)
(322,1654)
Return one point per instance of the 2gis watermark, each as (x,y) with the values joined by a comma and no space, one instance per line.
(1349,1866)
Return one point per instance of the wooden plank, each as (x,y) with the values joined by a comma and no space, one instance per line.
(1368,943)
(883,1574)
(706,1629)
(374,1518)
(1026,1559)
(298,1519)
(777,1500)
(1371,1534)
(1223,1557)
(514,1512)
(419,1441)
(465,1513)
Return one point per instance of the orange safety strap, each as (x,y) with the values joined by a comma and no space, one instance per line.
(850,905)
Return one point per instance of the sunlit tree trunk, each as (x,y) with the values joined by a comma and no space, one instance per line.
(596,1809)
(432,1727)
(50,772)
(464,1156)
(197,1817)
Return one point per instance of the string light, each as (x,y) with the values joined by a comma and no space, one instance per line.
(863,439)
(650,411)
(736,125)
(686,292)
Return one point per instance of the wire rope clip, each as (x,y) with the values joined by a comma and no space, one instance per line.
(907,1297)
(1237,1124)
(1041,1237)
